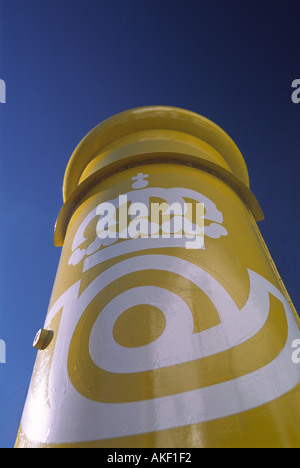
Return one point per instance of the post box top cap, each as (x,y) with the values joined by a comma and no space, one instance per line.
(151,118)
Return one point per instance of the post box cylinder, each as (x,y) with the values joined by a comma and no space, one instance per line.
(171,326)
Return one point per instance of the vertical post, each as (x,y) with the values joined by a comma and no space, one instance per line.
(155,344)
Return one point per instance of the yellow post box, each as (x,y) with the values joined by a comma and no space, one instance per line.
(168,325)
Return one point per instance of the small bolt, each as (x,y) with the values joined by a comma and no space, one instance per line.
(42,339)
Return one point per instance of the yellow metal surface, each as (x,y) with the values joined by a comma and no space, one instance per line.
(157,344)
(147,118)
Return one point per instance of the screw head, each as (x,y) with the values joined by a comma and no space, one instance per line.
(42,339)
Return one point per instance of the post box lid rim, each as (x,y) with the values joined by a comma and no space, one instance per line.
(152,117)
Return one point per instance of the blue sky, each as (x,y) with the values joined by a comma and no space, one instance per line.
(70,64)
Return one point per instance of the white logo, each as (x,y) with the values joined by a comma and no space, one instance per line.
(144,229)
(91,368)
(177,344)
